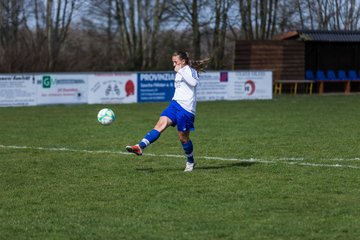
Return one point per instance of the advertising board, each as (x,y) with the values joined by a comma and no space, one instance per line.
(109,88)
(61,88)
(17,90)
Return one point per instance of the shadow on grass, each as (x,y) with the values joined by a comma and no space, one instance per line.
(237,164)
(223,166)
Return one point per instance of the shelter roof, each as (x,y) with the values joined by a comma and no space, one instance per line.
(322,36)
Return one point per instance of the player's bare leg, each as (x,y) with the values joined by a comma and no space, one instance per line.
(151,136)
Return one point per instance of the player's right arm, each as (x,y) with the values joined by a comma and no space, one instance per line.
(189,75)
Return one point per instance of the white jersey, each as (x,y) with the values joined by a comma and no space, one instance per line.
(186,80)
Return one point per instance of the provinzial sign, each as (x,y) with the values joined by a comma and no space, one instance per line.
(156,86)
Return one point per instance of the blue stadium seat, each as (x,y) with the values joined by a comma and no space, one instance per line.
(320,75)
(352,75)
(342,75)
(331,75)
(309,75)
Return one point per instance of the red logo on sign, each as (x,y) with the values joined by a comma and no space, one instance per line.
(249,87)
(129,88)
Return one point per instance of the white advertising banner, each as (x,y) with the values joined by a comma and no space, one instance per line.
(250,85)
(235,85)
(17,90)
(121,87)
(212,87)
(112,88)
(62,88)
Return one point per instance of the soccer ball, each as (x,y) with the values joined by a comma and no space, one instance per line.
(106,116)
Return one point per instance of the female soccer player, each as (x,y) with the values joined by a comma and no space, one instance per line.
(181,110)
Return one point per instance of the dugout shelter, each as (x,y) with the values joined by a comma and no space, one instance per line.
(329,60)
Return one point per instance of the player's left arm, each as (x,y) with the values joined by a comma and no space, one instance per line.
(190,76)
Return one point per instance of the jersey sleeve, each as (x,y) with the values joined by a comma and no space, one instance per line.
(190,75)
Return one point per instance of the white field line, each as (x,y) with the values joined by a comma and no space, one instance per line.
(289,160)
(345,159)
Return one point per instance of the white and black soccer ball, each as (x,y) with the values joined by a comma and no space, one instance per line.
(106,116)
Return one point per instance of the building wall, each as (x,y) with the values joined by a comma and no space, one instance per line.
(285,58)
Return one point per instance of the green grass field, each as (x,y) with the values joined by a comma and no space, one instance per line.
(288,168)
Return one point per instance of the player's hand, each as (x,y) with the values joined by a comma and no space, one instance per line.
(177,67)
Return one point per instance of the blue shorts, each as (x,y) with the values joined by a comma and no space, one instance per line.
(180,117)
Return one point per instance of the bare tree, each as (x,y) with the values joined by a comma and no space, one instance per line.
(49,33)
(138,27)
(219,33)
(245,18)
(10,21)
(112,35)
(196,15)
(347,14)
(57,27)
(196,29)
(258,18)
(328,14)
(157,17)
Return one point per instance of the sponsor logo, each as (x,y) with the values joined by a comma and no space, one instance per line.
(157,76)
(112,89)
(249,87)
(224,77)
(129,88)
(47,81)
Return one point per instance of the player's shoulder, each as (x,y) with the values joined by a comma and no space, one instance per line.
(191,71)
(189,68)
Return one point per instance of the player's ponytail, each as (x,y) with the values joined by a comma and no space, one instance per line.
(198,65)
